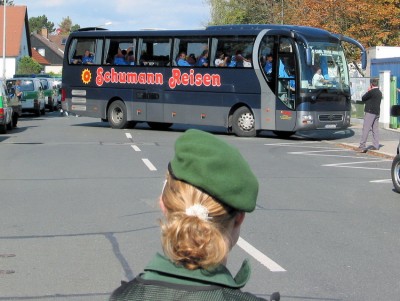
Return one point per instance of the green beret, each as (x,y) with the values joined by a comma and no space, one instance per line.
(215,167)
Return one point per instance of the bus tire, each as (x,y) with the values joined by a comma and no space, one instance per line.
(116,115)
(159,126)
(395,172)
(284,134)
(243,123)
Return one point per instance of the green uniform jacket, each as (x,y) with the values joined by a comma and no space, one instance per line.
(165,281)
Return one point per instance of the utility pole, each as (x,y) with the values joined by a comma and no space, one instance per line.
(4,38)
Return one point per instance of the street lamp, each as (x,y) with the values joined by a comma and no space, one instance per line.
(4,38)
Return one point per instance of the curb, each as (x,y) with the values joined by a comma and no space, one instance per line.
(370,152)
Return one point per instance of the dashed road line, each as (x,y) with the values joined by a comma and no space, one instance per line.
(136,148)
(149,164)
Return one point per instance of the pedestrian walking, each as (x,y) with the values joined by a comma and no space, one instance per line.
(372,100)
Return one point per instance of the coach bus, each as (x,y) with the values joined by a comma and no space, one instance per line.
(246,78)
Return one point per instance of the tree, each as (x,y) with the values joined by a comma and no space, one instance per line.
(37,23)
(66,26)
(244,11)
(28,65)
(372,22)
(9,2)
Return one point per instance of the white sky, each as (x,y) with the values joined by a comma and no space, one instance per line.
(124,14)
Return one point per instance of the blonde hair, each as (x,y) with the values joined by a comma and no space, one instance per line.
(188,240)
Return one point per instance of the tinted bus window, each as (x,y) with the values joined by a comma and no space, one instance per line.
(78,48)
(238,49)
(120,51)
(154,51)
(192,47)
(267,59)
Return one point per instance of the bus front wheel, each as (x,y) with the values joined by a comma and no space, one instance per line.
(116,115)
(395,172)
(243,123)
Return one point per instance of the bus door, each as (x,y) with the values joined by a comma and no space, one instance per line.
(286,116)
(278,94)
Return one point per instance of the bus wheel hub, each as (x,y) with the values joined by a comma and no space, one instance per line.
(246,121)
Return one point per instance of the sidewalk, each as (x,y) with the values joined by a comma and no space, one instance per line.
(388,148)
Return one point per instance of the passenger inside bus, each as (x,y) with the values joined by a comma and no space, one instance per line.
(88,58)
(130,58)
(318,79)
(119,58)
(181,61)
(203,59)
(287,83)
(191,59)
(221,60)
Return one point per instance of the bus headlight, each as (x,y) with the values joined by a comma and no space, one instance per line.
(307,119)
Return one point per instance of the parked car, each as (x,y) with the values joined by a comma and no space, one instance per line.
(6,111)
(395,171)
(48,91)
(32,99)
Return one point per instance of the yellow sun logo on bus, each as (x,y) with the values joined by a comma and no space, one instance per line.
(86,76)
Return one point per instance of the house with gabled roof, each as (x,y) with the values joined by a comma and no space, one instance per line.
(51,47)
(17,38)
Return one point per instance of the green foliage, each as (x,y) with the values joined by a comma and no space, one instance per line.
(9,2)
(66,26)
(37,23)
(75,27)
(28,65)
(369,21)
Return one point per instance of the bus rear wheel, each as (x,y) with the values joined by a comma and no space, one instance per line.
(116,115)
(243,123)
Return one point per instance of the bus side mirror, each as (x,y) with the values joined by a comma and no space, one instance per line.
(395,110)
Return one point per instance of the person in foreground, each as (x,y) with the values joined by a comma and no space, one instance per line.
(208,189)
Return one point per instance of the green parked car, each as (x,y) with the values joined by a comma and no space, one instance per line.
(32,98)
(10,109)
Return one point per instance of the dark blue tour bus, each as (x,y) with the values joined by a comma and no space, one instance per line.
(246,78)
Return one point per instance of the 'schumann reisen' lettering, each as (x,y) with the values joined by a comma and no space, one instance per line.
(148,78)
(115,77)
(193,79)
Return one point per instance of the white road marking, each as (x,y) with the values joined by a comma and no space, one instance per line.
(149,164)
(136,148)
(260,257)
(319,151)
(291,143)
(128,135)
(382,181)
(351,165)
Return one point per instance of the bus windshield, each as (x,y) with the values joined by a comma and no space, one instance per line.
(328,68)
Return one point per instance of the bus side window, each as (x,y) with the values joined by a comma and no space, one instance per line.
(194,48)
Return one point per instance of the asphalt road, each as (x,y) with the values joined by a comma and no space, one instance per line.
(79,212)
